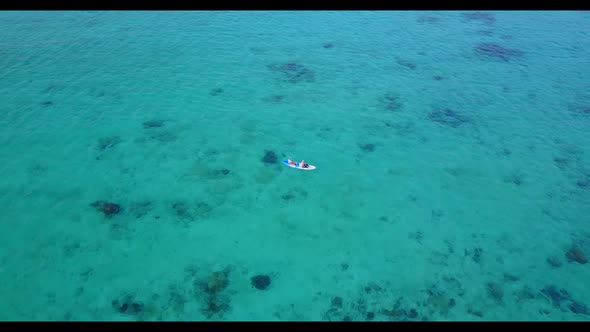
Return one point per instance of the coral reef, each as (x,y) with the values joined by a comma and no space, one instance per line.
(216,282)
(213,286)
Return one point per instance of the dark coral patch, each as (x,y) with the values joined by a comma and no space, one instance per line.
(216,282)
(328,45)
(109,209)
(215,303)
(448,117)
(495,51)
(438,78)
(47,103)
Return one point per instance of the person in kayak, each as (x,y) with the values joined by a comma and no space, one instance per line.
(291,162)
(303,164)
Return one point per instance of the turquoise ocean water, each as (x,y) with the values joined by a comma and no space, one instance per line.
(141,174)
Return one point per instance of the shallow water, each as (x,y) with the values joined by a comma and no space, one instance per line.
(452,178)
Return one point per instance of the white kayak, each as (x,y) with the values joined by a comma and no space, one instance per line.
(298,166)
